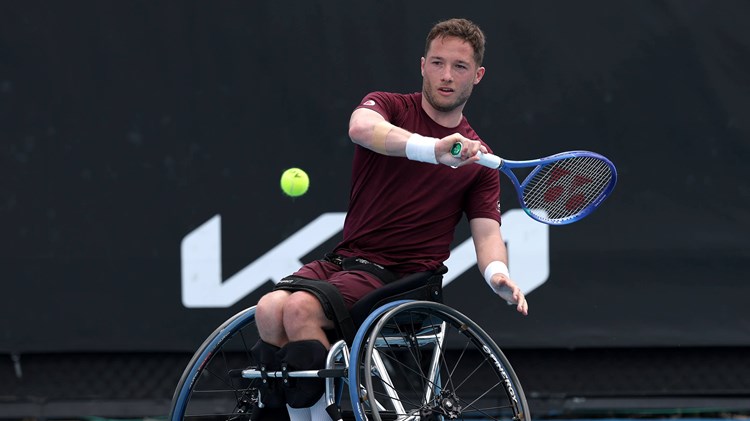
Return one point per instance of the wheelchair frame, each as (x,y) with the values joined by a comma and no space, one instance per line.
(368,366)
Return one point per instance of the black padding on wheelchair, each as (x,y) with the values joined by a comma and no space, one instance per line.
(303,355)
(266,356)
(423,286)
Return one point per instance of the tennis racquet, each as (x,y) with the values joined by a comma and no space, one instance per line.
(561,188)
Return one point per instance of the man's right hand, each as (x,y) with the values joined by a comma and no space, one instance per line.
(469,149)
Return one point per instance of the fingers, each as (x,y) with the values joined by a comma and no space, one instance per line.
(520,300)
(468,151)
(469,148)
(510,292)
(465,161)
(523,305)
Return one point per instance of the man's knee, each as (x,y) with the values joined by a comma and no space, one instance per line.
(303,308)
(271,305)
(269,317)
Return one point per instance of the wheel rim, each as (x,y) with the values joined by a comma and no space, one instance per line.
(471,377)
(212,385)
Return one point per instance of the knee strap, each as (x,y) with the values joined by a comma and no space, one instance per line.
(303,355)
(271,390)
(265,353)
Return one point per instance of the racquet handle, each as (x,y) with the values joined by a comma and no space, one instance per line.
(489,160)
(486,159)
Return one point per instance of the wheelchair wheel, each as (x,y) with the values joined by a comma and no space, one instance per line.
(419,360)
(211,386)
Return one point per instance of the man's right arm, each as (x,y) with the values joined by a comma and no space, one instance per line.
(369,129)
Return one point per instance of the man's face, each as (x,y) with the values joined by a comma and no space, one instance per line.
(449,73)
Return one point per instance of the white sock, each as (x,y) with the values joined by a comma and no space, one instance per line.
(298,414)
(318,411)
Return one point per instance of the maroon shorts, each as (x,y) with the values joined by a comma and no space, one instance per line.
(353,284)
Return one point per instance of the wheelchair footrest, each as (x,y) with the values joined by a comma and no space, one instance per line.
(333,372)
(252,373)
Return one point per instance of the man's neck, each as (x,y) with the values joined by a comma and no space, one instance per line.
(448,119)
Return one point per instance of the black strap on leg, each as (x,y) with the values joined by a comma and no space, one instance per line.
(330,299)
(417,286)
(302,392)
(265,355)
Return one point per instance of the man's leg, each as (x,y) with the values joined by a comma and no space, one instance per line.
(294,322)
(269,320)
(284,318)
(269,316)
(304,319)
(304,323)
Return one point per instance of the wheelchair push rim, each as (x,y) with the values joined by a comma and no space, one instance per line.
(211,384)
(415,360)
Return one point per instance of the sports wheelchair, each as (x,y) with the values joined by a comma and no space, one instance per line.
(411,358)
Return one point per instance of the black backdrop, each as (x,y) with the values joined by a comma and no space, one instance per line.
(124,126)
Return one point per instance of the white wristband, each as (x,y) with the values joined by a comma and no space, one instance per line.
(503,291)
(420,148)
(493,268)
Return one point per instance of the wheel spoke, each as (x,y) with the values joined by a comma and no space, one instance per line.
(472,374)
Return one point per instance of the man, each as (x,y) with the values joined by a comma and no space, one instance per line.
(408,194)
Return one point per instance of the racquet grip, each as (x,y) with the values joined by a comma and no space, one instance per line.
(486,159)
(489,160)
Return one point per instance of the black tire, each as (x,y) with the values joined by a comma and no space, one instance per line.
(211,387)
(473,378)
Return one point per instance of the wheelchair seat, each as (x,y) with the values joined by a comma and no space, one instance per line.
(425,286)
(422,286)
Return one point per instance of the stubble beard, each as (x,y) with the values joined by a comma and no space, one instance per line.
(463,97)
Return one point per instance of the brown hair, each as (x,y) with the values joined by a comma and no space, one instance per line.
(460,28)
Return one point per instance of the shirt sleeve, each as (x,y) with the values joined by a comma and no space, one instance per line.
(484,196)
(483,199)
(381,102)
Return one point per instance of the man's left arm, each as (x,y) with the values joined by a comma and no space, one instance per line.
(492,260)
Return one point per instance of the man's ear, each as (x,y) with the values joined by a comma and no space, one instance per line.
(479,75)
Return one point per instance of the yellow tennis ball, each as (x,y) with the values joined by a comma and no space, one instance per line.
(294,182)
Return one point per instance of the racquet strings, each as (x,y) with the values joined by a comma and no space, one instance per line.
(565,188)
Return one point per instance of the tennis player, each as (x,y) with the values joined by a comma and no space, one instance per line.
(408,194)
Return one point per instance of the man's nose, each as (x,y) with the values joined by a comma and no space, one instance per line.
(447,75)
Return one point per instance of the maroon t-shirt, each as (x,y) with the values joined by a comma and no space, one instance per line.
(402,213)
